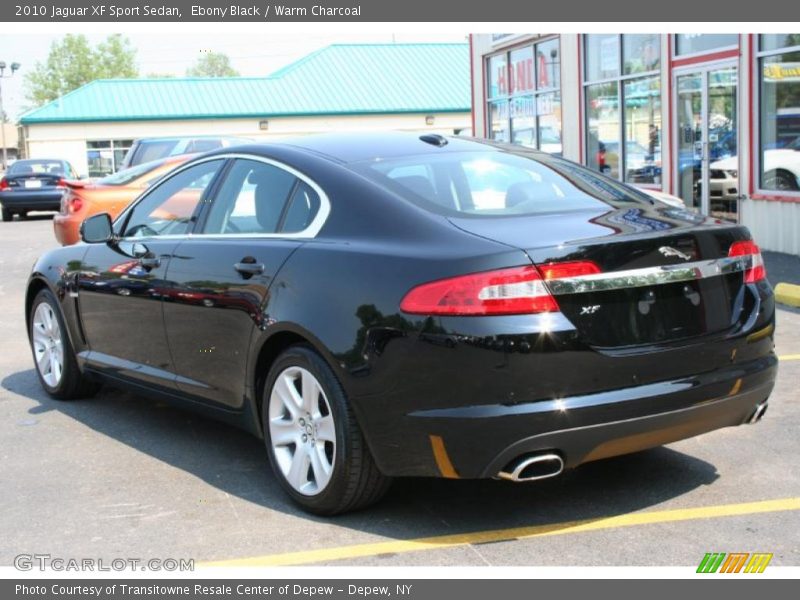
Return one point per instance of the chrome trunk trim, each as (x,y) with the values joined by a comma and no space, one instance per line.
(649,276)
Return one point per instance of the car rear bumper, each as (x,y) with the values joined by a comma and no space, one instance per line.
(32,200)
(480,440)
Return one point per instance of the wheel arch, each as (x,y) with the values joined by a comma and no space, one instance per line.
(270,348)
(36,284)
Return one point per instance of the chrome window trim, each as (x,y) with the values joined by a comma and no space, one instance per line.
(309,232)
(648,276)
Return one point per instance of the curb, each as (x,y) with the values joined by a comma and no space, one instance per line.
(787,293)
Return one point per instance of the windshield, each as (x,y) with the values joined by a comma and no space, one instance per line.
(126,176)
(498,183)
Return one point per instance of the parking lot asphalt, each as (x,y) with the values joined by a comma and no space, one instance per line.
(123,476)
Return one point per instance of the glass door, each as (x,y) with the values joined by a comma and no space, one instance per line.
(707,140)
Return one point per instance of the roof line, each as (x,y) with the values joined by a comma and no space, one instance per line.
(413,111)
(43,106)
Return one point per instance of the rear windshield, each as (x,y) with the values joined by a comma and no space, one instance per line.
(498,183)
(125,176)
(37,167)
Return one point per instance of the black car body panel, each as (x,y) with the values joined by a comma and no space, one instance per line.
(489,388)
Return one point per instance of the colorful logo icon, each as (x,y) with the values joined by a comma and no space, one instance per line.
(734,562)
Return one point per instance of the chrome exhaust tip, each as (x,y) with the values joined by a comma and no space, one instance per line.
(758,413)
(532,468)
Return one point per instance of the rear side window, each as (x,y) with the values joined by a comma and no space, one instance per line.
(303,207)
(498,183)
(261,198)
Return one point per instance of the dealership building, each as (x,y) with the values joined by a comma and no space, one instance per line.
(412,87)
(711,118)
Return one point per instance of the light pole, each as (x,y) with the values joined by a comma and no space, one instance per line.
(14,67)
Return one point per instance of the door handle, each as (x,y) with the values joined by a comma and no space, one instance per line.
(249,267)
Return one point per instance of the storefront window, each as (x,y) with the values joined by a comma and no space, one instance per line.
(498,121)
(105,157)
(779,69)
(641,53)
(498,76)
(524,96)
(521,72)
(602,114)
(697,43)
(623,129)
(642,130)
(602,56)
(548,66)
(777,41)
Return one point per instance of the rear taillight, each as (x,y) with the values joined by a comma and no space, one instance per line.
(4,184)
(515,291)
(756,272)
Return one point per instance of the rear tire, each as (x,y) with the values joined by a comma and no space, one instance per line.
(313,440)
(53,355)
(7,215)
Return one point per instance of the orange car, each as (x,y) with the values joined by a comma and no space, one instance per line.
(110,194)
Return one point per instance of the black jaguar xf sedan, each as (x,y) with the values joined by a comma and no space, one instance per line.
(388,305)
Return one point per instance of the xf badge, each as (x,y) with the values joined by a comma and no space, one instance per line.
(590,310)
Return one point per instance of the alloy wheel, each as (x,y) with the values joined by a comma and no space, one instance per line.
(48,344)
(302,431)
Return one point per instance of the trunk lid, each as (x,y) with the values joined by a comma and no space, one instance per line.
(665,272)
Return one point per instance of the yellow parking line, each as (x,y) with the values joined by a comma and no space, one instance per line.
(789,357)
(499,535)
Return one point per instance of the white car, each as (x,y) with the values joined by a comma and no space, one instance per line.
(781,169)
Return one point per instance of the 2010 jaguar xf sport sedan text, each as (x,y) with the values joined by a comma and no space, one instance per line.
(383,305)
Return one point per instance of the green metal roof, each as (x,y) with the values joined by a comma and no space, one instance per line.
(336,80)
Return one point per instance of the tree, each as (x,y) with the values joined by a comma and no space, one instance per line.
(213,64)
(73,62)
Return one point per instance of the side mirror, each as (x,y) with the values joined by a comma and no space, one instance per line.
(97,229)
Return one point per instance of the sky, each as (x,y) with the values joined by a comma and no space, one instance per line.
(250,54)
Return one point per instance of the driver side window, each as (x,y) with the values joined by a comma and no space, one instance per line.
(171,207)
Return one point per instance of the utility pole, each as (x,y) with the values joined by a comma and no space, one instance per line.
(14,67)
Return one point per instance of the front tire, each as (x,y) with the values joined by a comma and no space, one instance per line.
(53,355)
(313,440)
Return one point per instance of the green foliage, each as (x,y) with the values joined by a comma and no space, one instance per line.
(73,62)
(213,64)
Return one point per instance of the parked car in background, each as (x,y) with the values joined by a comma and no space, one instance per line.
(369,318)
(34,184)
(111,194)
(149,149)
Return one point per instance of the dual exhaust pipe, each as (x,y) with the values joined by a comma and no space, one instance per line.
(533,467)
